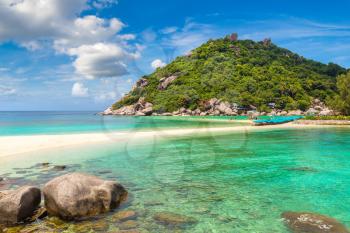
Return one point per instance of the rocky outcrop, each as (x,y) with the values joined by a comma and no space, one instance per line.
(18,205)
(76,195)
(310,222)
(141,108)
(216,107)
(318,108)
(165,82)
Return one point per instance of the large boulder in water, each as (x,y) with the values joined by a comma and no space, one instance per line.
(304,222)
(74,196)
(18,205)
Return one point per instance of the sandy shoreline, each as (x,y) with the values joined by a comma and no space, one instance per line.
(12,145)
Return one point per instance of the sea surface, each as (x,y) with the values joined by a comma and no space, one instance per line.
(226,182)
(29,123)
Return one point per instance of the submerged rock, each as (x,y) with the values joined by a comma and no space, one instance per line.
(130,224)
(303,169)
(304,222)
(124,215)
(59,167)
(100,225)
(172,219)
(18,205)
(74,196)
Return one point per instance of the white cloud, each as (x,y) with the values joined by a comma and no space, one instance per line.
(92,40)
(126,37)
(32,19)
(189,37)
(87,30)
(79,90)
(7,91)
(157,64)
(101,60)
(100,4)
(169,30)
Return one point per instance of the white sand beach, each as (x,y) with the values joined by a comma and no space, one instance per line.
(12,145)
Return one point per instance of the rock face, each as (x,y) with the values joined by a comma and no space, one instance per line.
(304,222)
(141,108)
(165,82)
(318,108)
(76,195)
(18,205)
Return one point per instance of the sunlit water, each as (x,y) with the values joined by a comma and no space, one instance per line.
(238,182)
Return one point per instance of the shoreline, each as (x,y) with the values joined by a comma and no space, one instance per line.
(12,145)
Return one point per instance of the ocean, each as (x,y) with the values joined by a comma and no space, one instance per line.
(227,182)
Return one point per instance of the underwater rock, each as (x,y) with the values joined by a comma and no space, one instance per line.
(76,195)
(55,223)
(105,172)
(18,205)
(130,224)
(128,231)
(124,215)
(303,169)
(91,226)
(59,167)
(303,222)
(172,219)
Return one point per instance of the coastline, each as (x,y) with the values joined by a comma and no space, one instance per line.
(12,145)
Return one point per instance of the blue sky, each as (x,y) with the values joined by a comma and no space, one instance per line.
(85,54)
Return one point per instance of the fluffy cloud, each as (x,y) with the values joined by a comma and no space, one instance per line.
(31,19)
(158,64)
(87,30)
(86,38)
(79,90)
(101,60)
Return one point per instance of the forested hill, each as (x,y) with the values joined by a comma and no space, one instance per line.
(244,72)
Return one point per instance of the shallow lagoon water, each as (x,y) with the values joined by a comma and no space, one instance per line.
(238,182)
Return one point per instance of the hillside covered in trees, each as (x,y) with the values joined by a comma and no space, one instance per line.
(244,72)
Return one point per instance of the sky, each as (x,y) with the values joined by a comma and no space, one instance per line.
(86,54)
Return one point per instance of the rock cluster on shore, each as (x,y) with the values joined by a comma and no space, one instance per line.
(216,107)
(70,197)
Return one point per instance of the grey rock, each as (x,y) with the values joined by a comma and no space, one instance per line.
(18,205)
(76,195)
(165,82)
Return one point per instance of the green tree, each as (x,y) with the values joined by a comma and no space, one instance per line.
(341,101)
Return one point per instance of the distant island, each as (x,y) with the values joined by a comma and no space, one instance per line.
(233,77)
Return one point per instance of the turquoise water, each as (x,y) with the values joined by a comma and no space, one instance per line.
(28,123)
(237,182)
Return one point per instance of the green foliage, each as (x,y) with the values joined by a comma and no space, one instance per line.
(243,72)
(341,102)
